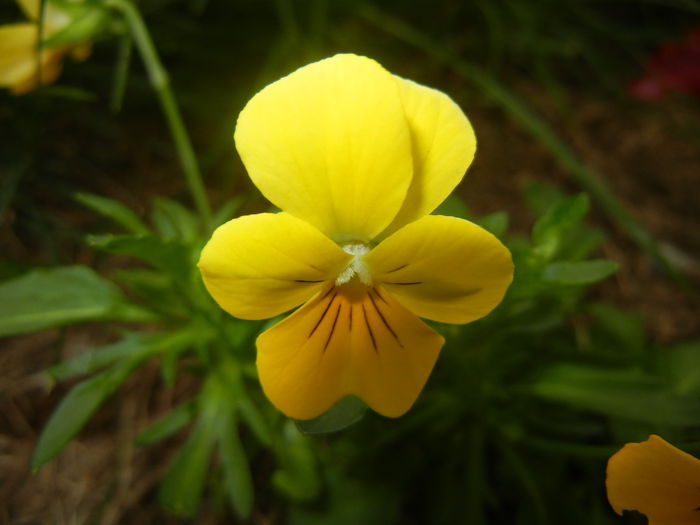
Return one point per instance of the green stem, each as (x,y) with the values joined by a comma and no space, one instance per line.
(160,81)
(121,72)
(536,126)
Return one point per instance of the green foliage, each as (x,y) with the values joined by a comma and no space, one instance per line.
(516,399)
(344,413)
(183,484)
(531,399)
(52,297)
(113,210)
(75,409)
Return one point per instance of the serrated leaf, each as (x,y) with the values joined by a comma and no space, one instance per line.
(578,273)
(182,488)
(115,210)
(169,424)
(45,298)
(168,255)
(75,409)
(234,463)
(344,413)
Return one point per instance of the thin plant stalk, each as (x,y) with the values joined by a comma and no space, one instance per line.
(160,81)
(121,72)
(537,127)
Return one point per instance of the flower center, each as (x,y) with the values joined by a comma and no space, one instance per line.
(356,266)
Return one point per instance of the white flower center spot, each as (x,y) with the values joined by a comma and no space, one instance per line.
(356,266)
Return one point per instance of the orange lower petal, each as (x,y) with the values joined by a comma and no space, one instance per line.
(656,479)
(348,340)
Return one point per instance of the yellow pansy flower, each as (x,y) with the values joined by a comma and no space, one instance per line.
(356,158)
(20,62)
(656,479)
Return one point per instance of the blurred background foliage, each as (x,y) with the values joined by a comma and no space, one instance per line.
(524,407)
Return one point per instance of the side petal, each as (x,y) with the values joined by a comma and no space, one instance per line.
(329,144)
(347,341)
(19,59)
(657,479)
(31,8)
(443,268)
(259,266)
(443,145)
(18,55)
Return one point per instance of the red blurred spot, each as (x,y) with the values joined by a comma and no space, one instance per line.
(674,67)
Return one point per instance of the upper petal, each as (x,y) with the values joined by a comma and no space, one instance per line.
(259,266)
(329,144)
(657,479)
(443,268)
(347,341)
(443,145)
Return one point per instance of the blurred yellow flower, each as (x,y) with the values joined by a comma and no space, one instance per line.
(356,158)
(21,63)
(656,479)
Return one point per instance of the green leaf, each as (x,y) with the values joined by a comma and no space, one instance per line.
(227,210)
(133,345)
(84,26)
(619,393)
(682,366)
(252,417)
(577,273)
(114,210)
(45,298)
(344,413)
(168,255)
(237,477)
(540,197)
(454,207)
(625,327)
(297,478)
(174,221)
(166,426)
(549,230)
(75,409)
(182,488)
(496,223)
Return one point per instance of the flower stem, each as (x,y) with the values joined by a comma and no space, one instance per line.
(160,81)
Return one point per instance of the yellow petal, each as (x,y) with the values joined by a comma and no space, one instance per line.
(329,144)
(348,340)
(657,479)
(443,145)
(31,8)
(443,268)
(19,59)
(18,55)
(259,266)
